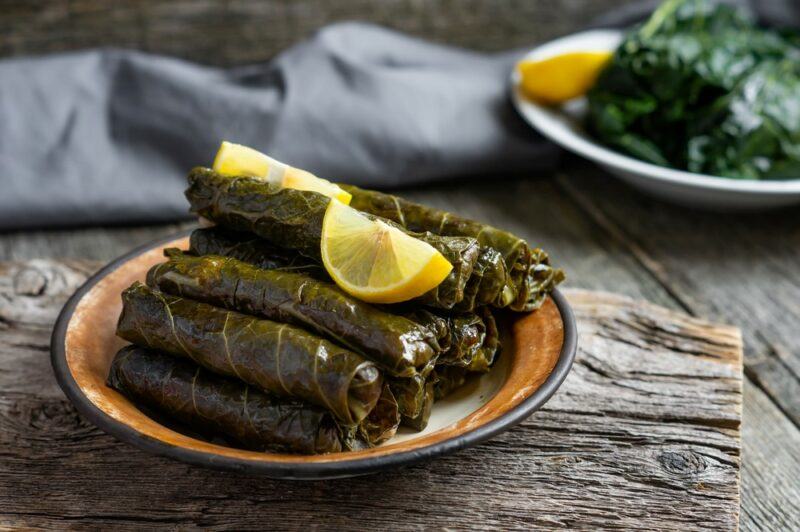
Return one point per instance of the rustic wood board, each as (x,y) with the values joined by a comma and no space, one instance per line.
(740,268)
(643,434)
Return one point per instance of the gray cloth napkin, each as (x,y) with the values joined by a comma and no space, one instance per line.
(103,137)
(107,136)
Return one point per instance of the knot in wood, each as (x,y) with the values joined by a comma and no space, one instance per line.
(53,414)
(682,462)
(29,282)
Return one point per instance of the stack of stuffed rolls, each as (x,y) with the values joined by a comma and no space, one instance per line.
(246,336)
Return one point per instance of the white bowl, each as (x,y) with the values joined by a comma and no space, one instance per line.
(564,126)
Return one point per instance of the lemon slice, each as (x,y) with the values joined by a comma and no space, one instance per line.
(235,159)
(376,262)
(557,79)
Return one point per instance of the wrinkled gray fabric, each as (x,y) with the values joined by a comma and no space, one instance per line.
(108,136)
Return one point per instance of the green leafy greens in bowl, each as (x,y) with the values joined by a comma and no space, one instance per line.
(700,87)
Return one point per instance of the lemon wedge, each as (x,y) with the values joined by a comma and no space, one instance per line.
(557,79)
(235,159)
(376,262)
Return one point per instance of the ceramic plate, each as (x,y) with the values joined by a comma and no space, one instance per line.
(537,355)
(564,127)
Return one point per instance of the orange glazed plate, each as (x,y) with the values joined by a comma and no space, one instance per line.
(538,350)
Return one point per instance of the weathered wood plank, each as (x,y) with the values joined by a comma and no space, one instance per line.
(770,465)
(733,268)
(93,243)
(644,433)
(244,31)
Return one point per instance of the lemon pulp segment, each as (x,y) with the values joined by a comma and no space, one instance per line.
(376,262)
(236,159)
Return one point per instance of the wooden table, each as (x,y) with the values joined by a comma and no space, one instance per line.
(558,468)
(653,443)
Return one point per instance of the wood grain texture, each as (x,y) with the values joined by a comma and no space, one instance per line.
(95,243)
(244,31)
(644,433)
(594,256)
(733,268)
(770,465)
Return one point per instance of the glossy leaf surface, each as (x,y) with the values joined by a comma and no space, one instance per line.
(520,281)
(211,404)
(278,358)
(400,346)
(292,219)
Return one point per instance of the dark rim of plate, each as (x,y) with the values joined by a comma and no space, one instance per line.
(307,471)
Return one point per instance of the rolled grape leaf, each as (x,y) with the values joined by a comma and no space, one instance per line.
(258,252)
(278,358)
(486,283)
(211,404)
(468,335)
(487,352)
(382,422)
(528,274)
(473,341)
(398,345)
(420,421)
(463,254)
(410,391)
(254,250)
(431,320)
(292,219)
(289,218)
(447,379)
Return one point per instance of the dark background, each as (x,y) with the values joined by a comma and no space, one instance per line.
(230,33)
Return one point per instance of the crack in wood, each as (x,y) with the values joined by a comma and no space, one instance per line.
(659,273)
(650,265)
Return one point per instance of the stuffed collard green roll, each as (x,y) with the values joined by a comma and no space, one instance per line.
(398,345)
(211,404)
(531,277)
(293,219)
(276,357)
